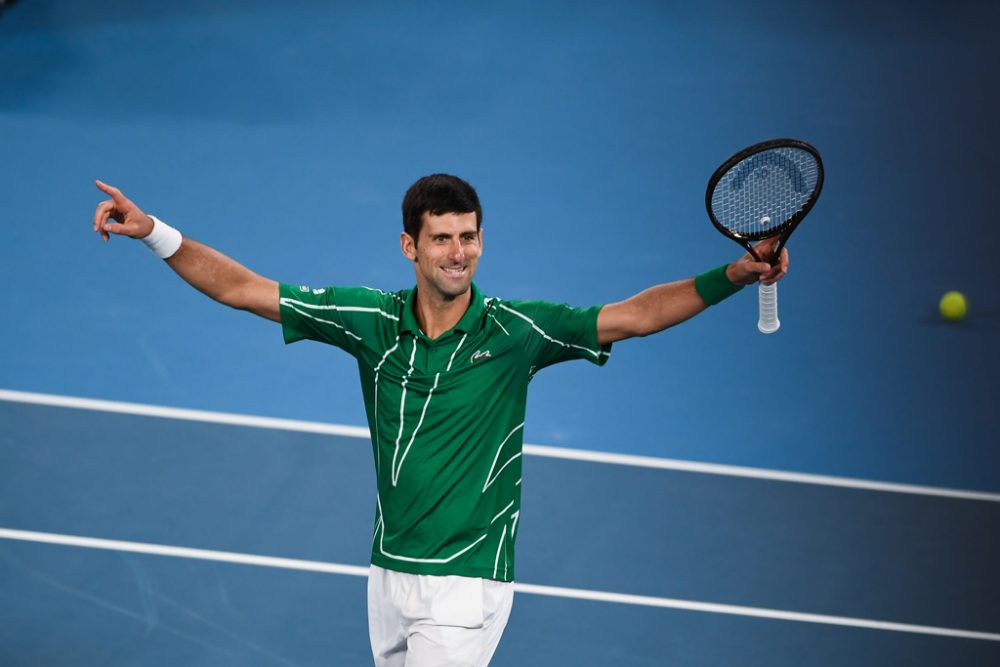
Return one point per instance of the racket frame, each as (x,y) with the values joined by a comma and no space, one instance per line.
(786,228)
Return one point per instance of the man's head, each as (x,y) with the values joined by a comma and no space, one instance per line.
(442,223)
(437,194)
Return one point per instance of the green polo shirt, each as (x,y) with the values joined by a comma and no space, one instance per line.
(446,415)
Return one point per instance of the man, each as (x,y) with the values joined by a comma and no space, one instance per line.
(444,372)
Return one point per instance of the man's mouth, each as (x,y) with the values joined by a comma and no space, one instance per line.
(455,271)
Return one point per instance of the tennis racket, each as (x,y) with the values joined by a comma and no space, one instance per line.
(765,190)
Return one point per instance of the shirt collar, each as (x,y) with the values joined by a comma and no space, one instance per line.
(470,320)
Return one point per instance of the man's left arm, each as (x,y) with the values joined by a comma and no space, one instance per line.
(662,306)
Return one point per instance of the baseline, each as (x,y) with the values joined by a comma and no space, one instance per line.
(529,450)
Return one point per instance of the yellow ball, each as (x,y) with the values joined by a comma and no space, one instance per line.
(953,306)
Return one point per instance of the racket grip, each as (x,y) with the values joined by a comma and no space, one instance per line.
(767,296)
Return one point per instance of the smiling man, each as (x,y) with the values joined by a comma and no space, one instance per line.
(444,372)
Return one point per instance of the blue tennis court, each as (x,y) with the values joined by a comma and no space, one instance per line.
(234,544)
(177,487)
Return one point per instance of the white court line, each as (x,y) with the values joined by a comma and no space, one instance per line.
(183,552)
(531,589)
(757,473)
(757,612)
(530,450)
(183,414)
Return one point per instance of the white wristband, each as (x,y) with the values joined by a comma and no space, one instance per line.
(164,240)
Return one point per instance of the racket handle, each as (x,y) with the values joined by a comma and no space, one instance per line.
(767,296)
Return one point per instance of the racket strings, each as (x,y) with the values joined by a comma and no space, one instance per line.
(757,196)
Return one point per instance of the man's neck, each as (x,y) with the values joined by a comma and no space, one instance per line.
(436,315)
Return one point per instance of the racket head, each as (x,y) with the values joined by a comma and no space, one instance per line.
(765,190)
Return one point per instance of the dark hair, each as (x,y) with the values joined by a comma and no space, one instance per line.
(438,194)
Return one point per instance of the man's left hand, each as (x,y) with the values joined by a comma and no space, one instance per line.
(747,270)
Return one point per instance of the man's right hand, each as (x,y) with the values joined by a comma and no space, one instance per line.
(120,216)
(204,268)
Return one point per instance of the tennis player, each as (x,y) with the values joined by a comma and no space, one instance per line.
(444,372)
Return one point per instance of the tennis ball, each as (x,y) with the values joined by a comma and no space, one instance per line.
(953,306)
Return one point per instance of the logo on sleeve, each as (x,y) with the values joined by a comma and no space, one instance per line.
(479,354)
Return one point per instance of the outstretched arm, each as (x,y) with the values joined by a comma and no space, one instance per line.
(663,306)
(208,270)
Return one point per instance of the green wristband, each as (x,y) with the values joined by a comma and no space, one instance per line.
(714,286)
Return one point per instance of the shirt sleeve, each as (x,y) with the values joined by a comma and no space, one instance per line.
(342,316)
(559,332)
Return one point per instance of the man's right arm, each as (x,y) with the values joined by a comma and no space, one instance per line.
(225,280)
(209,271)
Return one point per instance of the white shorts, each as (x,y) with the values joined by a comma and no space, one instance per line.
(419,620)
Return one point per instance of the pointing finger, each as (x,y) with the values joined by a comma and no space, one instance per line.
(115,193)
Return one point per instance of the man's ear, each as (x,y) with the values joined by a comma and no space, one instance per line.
(408,246)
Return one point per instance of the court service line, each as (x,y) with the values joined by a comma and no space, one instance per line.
(756,473)
(184,414)
(530,450)
(530,589)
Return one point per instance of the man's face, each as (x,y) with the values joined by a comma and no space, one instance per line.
(446,254)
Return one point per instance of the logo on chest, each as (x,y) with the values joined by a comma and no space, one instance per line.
(478,355)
